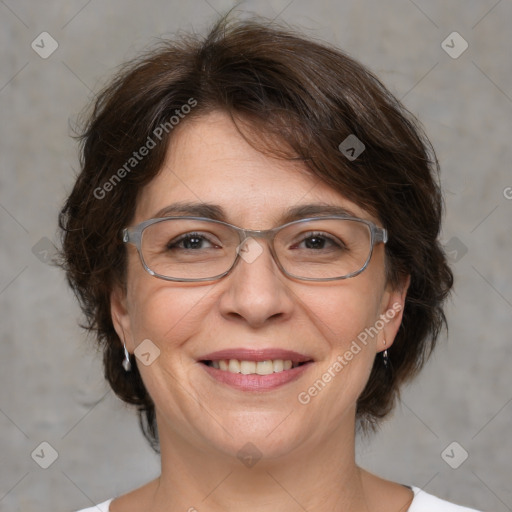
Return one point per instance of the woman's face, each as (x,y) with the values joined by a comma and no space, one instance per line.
(255,307)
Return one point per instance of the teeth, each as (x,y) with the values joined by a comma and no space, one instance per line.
(234,366)
(278,365)
(254,367)
(264,367)
(247,367)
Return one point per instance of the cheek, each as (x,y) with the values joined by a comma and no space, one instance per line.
(166,314)
(342,316)
(342,311)
(169,316)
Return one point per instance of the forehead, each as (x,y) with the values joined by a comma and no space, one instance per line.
(209,161)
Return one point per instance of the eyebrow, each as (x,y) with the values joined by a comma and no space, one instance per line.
(216,212)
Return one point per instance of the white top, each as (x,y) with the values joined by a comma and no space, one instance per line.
(422,502)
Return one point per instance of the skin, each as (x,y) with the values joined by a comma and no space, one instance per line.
(308,451)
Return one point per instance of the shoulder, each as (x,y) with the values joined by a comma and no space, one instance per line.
(102,507)
(424,502)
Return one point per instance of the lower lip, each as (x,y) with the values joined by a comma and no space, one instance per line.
(256,382)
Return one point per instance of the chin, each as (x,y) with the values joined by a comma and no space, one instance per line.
(257,435)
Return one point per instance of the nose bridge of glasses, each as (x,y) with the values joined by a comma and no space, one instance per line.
(249,249)
(266,234)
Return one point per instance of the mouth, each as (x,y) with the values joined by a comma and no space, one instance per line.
(246,367)
(255,370)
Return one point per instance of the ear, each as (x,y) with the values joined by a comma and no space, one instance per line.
(392,309)
(121,317)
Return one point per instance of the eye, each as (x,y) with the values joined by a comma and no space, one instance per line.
(191,241)
(319,241)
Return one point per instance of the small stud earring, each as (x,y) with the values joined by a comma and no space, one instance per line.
(127,365)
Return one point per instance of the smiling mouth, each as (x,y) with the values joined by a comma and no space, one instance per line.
(254,367)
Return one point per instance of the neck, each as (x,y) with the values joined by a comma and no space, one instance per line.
(318,477)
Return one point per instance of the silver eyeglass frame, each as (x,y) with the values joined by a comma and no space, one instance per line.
(133,235)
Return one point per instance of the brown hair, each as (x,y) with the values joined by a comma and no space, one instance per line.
(303,98)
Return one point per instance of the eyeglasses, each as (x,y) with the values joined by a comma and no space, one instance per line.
(202,249)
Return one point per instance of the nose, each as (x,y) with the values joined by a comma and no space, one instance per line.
(256,291)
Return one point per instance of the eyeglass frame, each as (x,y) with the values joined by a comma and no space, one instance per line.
(133,235)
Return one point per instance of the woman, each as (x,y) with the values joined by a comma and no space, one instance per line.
(253,239)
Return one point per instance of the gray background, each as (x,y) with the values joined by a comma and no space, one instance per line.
(52,387)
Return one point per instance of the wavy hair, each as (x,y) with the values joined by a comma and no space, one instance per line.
(301,98)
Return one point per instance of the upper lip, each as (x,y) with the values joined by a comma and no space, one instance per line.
(263,354)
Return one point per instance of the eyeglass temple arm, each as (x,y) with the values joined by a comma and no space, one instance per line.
(381,235)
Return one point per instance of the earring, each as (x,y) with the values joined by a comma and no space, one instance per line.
(385,357)
(127,365)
